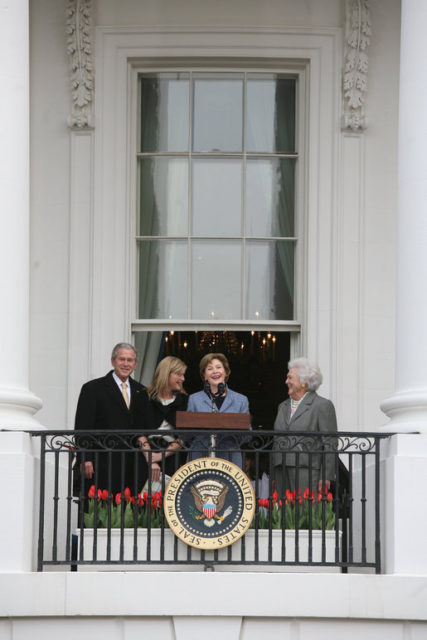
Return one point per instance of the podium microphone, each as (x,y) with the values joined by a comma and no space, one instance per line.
(221,389)
(207,389)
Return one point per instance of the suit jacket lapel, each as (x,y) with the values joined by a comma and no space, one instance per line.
(228,401)
(207,401)
(288,411)
(134,391)
(303,406)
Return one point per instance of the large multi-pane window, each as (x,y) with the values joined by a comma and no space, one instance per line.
(217,168)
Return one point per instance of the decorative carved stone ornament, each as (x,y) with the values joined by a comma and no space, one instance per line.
(355,75)
(79,49)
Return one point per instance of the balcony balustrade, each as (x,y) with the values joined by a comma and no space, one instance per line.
(117,521)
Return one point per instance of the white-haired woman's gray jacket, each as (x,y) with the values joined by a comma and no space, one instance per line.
(314,414)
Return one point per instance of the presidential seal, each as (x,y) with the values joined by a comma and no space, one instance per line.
(209,503)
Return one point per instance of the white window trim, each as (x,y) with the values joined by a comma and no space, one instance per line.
(183,324)
(118,50)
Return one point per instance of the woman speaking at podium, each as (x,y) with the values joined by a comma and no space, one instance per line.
(217,397)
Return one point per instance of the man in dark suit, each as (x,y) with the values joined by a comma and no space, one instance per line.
(113,402)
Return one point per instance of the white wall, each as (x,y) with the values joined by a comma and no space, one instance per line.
(359,364)
(367,209)
(316,13)
(185,628)
(211,605)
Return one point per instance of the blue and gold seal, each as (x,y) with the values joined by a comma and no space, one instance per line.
(209,503)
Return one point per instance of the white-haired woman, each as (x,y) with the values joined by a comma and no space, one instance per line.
(304,410)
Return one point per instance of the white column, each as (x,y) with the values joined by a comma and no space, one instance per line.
(405,456)
(17,403)
(407,408)
(18,451)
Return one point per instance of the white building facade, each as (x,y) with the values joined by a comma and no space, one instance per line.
(70,278)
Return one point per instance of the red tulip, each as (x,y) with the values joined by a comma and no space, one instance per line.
(275,495)
(118,498)
(306,494)
(91,492)
(127,493)
(104,494)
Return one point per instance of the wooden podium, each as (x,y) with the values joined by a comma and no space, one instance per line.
(212,420)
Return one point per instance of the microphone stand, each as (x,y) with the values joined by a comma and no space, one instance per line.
(212,396)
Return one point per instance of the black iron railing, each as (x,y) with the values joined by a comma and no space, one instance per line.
(116,519)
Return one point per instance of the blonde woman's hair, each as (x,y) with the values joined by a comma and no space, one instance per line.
(159,386)
(207,359)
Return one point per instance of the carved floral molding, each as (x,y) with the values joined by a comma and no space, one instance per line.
(355,75)
(79,49)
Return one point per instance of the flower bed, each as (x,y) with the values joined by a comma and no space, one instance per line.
(310,511)
(109,511)
(144,537)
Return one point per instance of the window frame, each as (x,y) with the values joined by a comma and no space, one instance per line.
(299,71)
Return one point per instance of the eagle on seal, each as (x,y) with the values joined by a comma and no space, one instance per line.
(209,498)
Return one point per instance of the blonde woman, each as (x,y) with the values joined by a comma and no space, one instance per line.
(166,396)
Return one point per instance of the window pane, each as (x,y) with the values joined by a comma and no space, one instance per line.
(164,102)
(269,280)
(216,279)
(218,112)
(217,197)
(215,222)
(163,279)
(164,196)
(270,114)
(270,197)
